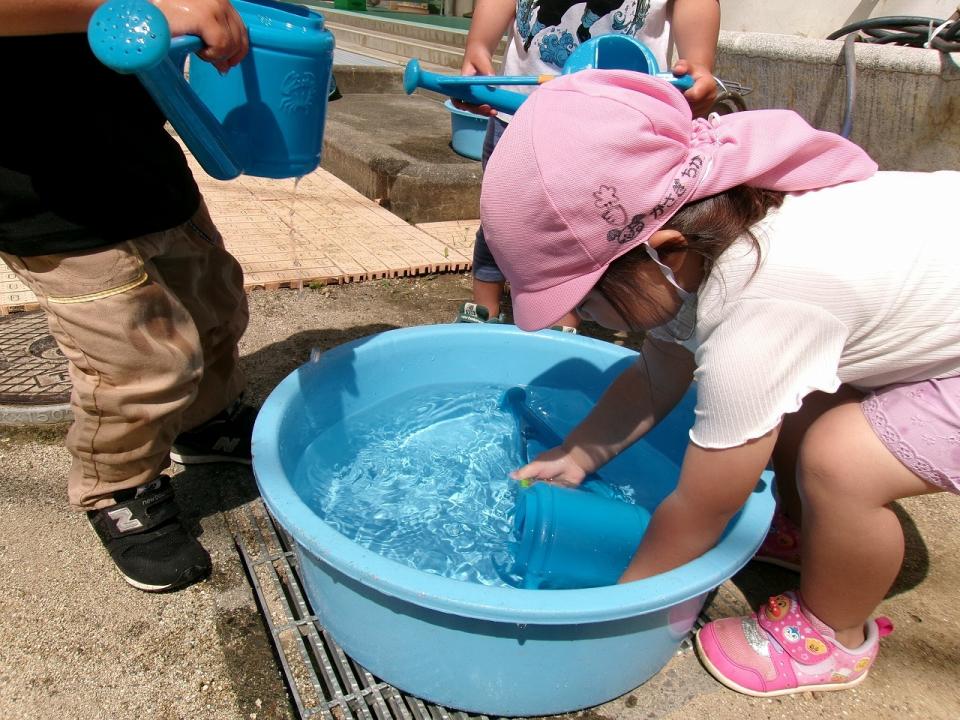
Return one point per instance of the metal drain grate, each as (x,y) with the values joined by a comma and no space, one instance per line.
(34,382)
(323,681)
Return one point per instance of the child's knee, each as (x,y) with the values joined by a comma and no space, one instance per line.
(824,465)
(836,459)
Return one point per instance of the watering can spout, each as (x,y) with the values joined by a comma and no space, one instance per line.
(265,117)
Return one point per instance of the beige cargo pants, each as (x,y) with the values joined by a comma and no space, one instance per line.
(150,329)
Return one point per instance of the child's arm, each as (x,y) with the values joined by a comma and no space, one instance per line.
(696,27)
(215,21)
(491,18)
(714,485)
(642,395)
(45,17)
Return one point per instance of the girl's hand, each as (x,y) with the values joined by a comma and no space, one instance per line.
(216,22)
(703,95)
(556,466)
(476,61)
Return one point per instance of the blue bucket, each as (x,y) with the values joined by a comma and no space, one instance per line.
(483,649)
(467,131)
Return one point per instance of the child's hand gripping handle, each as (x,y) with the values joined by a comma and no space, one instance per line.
(133,37)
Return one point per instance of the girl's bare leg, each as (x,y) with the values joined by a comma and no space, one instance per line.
(791,436)
(851,541)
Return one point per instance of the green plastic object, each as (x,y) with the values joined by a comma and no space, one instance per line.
(354,5)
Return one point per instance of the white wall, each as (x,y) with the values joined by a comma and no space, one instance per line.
(819,18)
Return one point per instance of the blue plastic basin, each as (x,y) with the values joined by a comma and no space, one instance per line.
(491,650)
(467,131)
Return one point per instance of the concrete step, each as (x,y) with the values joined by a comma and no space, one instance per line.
(382,82)
(385,42)
(411,29)
(439,46)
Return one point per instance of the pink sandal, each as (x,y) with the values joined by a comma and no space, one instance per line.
(784,649)
(782,544)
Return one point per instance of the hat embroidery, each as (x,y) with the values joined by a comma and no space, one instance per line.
(678,189)
(625,235)
(613,212)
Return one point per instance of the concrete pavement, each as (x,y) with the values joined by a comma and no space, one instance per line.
(79,643)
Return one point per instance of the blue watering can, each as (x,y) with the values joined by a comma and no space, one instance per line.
(607,52)
(265,117)
(567,538)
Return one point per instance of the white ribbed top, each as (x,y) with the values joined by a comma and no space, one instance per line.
(858,284)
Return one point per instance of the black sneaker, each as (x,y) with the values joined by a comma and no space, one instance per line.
(223,438)
(144,536)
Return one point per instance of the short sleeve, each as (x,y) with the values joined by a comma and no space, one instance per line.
(757,363)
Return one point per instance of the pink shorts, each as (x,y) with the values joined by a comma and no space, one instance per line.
(920,424)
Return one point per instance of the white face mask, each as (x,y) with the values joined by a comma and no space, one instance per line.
(681,329)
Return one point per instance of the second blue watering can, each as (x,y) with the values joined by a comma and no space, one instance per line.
(264,117)
(605,52)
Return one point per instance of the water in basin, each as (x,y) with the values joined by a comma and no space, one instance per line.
(422,478)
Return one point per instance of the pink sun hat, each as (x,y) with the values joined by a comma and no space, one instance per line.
(596,161)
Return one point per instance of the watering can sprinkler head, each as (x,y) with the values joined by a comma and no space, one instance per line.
(412,76)
(129,36)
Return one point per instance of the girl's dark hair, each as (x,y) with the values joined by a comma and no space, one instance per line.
(709,226)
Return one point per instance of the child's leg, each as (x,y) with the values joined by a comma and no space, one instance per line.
(792,431)
(782,545)
(854,459)
(488,294)
(488,281)
(852,542)
(208,281)
(134,359)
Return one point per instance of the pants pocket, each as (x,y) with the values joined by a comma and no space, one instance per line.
(86,276)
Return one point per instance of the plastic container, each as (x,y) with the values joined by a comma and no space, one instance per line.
(467,131)
(491,650)
(567,538)
(574,538)
(273,105)
(622,52)
(264,117)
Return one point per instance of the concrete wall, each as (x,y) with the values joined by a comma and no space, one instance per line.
(813,18)
(907,99)
(819,18)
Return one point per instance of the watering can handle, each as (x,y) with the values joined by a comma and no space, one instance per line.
(133,37)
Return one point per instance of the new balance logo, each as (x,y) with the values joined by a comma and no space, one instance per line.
(124,519)
(225,444)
